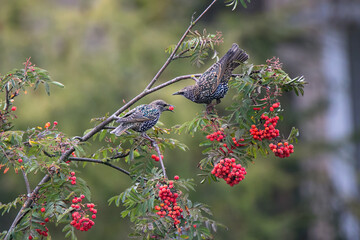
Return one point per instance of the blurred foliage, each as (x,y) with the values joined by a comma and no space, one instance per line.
(104,52)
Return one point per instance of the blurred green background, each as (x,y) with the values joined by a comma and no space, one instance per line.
(106,51)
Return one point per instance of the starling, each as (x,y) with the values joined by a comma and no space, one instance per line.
(142,118)
(213,83)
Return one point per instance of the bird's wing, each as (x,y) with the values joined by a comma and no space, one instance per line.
(211,78)
(136,115)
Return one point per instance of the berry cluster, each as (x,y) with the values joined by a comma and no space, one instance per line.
(231,172)
(156,158)
(80,221)
(72,178)
(48,124)
(274,106)
(236,142)
(282,150)
(40,231)
(269,131)
(168,205)
(218,136)
(232,147)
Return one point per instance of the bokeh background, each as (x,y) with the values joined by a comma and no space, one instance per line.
(105,51)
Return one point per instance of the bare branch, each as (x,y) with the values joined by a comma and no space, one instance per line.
(28,190)
(78,159)
(177,46)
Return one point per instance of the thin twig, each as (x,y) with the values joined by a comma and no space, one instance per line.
(154,144)
(28,190)
(79,159)
(160,158)
(177,46)
(120,155)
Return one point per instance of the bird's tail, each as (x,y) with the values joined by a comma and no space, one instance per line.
(234,56)
(120,129)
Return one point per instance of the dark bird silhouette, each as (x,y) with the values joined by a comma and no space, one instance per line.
(213,83)
(142,118)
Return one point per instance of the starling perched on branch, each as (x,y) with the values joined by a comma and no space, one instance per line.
(142,118)
(213,83)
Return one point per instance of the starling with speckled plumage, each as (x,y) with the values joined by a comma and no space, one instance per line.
(142,118)
(213,83)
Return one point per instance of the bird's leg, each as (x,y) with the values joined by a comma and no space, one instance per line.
(194,78)
(210,108)
(155,145)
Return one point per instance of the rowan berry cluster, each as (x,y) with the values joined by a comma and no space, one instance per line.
(228,170)
(72,178)
(269,132)
(79,217)
(282,150)
(40,231)
(48,124)
(218,136)
(168,205)
(156,158)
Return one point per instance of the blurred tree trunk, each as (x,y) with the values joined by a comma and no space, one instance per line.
(329,59)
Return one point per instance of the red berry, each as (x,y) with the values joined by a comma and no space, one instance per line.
(30,237)
(20,160)
(176,177)
(93,216)
(55,123)
(46,219)
(42,209)
(157,158)
(82,196)
(72,173)
(171,108)
(13,108)
(194,225)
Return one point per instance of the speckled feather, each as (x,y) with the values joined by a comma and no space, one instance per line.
(213,83)
(141,118)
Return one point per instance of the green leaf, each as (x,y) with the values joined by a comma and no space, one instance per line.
(57,84)
(47,88)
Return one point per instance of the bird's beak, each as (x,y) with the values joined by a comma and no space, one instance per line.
(170,108)
(178,93)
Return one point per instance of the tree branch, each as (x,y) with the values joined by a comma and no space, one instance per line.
(28,190)
(78,159)
(30,198)
(177,46)
(100,126)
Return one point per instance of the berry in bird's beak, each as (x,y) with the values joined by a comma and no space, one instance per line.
(171,108)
